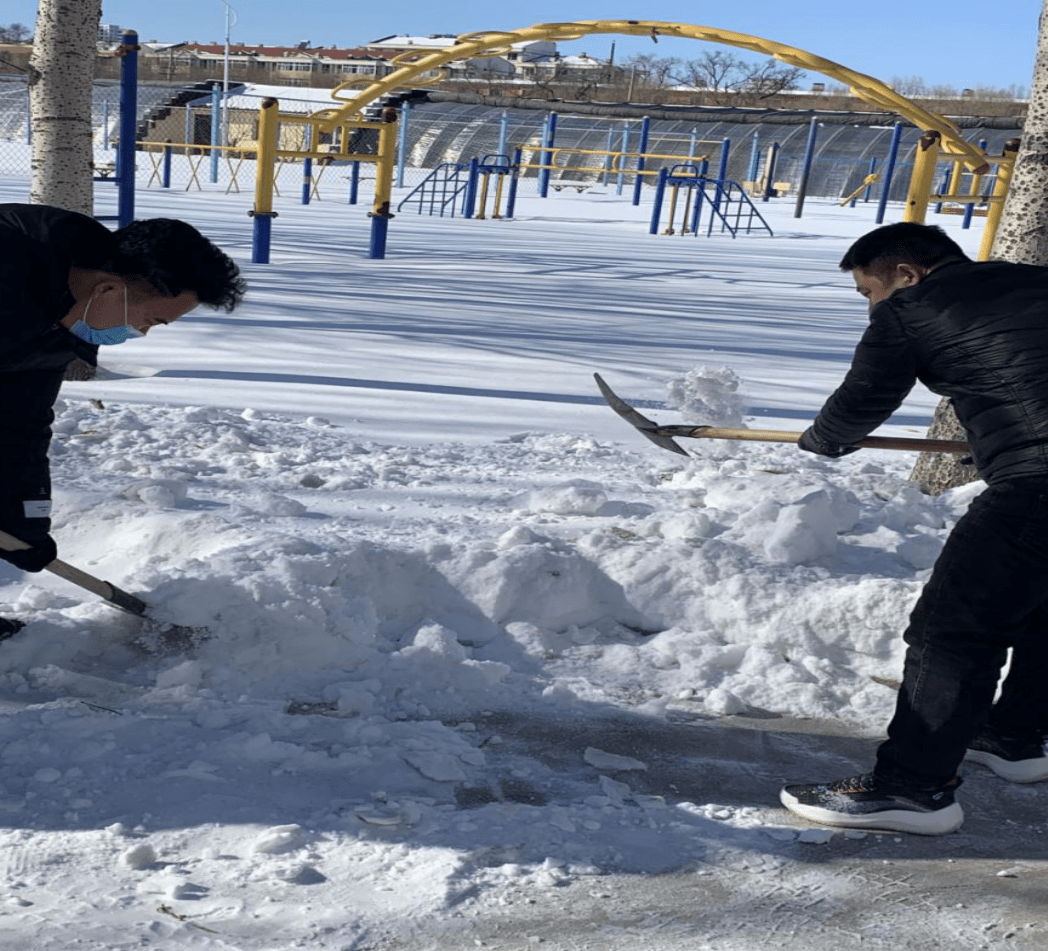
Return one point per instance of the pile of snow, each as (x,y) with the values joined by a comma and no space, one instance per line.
(708,396)
(447,613)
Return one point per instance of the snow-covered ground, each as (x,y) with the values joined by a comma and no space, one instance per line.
(477,661)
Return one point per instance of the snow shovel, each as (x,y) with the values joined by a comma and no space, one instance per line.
(171,634)
(663,436)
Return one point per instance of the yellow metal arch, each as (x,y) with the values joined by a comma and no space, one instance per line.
(414,64)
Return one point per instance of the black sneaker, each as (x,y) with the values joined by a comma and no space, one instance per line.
(862,802)
(8,627)
(1019,759)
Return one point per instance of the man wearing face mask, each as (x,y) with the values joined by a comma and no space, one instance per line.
(976,332)
(67,286)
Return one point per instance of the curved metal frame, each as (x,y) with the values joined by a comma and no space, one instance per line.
(414,64)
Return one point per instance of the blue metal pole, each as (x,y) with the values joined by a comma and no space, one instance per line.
(503,133)
(889,171)
(943,188)
(549,132)
(769,185)
(809,158)
(755,159)
(638,178)
(969,209)
(656,208)
(470,201)
(722,171)
(216,129)
(869,188)
(379,230)
(307,166)
(696,212)
(693,145)
(402,142)
(167,166)
(354,182)
(514,177)
(622,158)
(125,156)
(260,239)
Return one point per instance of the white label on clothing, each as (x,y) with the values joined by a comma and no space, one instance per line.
(37,508)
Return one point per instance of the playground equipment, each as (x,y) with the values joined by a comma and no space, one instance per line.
(468,184)
(921,194)
(423,67)
(727,201)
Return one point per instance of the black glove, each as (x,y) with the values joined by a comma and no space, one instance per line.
(32,531)
(810,442)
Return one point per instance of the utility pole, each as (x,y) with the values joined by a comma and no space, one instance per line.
(231,19)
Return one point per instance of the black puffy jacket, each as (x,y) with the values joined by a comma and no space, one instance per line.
(974,332)
(38,245)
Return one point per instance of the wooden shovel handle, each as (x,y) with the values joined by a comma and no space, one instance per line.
(103,589)
(780,435)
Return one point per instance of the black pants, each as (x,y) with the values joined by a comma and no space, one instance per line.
(988,592)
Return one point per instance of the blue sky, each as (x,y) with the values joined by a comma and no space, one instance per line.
(964,43)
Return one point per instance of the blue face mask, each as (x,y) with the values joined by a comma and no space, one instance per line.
(106,336)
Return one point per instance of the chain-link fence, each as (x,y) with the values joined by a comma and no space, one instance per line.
(175,132)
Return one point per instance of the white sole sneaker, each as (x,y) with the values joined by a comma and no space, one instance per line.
(1015,771)
(938,822)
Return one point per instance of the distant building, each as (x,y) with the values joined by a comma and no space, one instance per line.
(517,62)
(110,33)
(300,65)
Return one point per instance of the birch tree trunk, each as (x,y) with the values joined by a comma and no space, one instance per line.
(1022,237)
(61,70)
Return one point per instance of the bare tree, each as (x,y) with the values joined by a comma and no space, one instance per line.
(651,70)
(909,86)
(731,78)
(14,33)
(61,70)
(1022,236)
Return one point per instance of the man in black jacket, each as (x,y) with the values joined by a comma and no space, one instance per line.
(67,285)
(978,334)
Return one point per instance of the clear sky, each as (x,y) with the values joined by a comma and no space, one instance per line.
(960,43)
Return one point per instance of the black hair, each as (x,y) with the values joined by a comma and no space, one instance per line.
(906,242)
(174,257)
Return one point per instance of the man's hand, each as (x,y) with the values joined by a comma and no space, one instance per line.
(810,442)
(43,550)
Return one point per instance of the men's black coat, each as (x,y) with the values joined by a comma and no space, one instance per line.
(975,332)
(38,245)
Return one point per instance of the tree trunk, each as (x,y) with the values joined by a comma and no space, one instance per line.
(1022,237)
(61,71)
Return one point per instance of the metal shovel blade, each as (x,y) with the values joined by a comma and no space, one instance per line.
(170,637)
(645,426)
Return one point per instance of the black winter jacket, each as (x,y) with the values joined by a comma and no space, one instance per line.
(38,245)
(974,332)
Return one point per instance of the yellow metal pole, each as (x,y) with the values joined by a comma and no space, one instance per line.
(1000,189)
(381,209)
(685,227)
(497,212)
(483,196)
(265,178)
(924,163)
(673,209)
(868,180)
